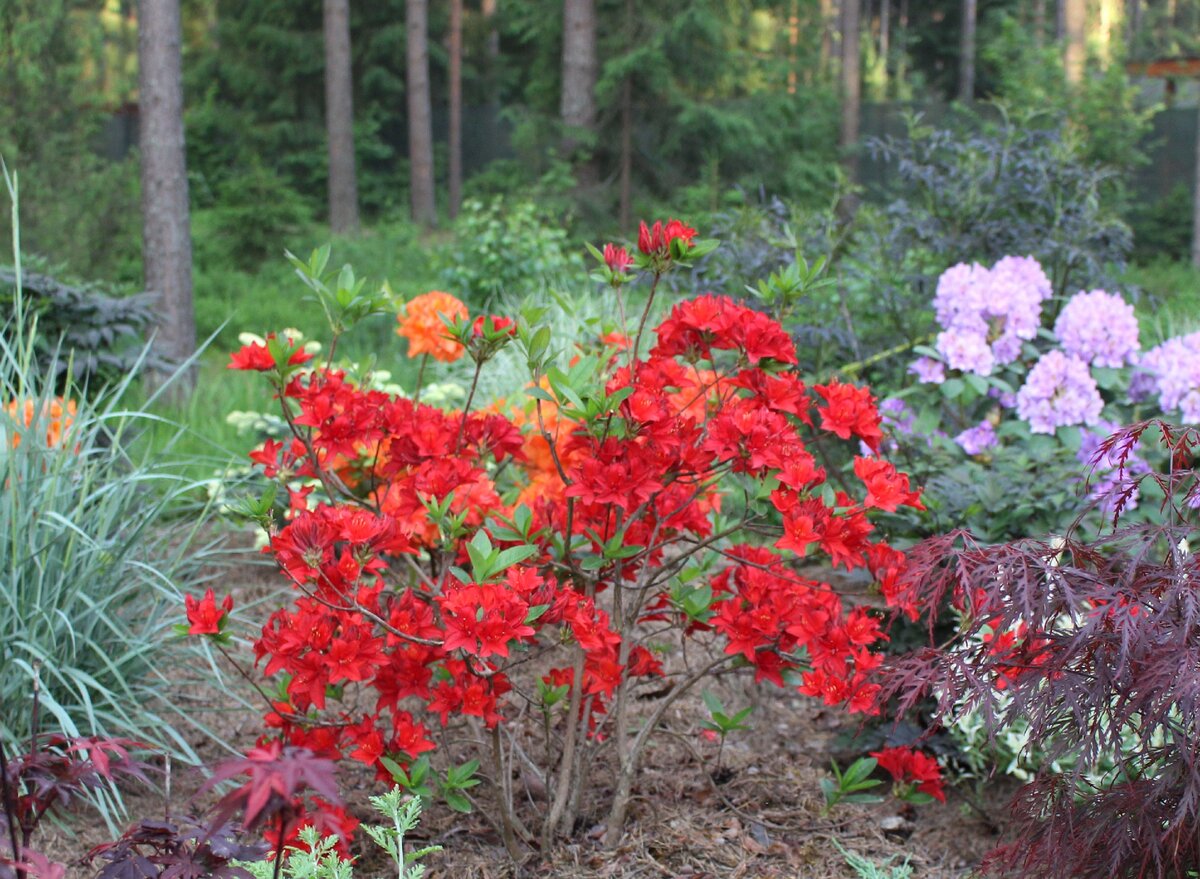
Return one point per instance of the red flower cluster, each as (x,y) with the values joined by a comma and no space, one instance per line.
(395,552)
(259,357)
(656,240)
(912,767)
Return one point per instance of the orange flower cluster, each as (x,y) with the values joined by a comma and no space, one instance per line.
(57,414)
(422,325)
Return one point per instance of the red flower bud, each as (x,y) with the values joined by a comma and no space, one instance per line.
(617,258)
(204,615)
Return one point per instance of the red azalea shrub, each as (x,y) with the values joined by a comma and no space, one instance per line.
(459,569)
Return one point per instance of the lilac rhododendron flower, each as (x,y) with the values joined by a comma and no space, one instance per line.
(997,309)
(958,301)
(966,351)
(928,371)
(1006,399)
(1099,328)
(978,439)
(1059,392)
(1014,291)
(1175,368)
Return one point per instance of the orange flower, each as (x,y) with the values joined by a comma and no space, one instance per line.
(58,414)
(421,323)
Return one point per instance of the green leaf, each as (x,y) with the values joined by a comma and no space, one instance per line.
(952,388)
(512,556)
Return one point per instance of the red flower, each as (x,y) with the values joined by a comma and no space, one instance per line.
(886,489)
(617,258)
(259,358)
(496,325)
(204,615)
(656,241)
(908,766)
(849,410)
(253,356)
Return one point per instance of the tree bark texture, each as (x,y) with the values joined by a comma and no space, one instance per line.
(420,115)
(1074,16)
(166,229)
(851,84)
(339,119)
(455,122)
(579,71)
(966,57)
(829,18)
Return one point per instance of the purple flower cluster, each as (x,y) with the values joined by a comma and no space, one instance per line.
(1108,480)
(1099,328)
(1058,392)
(928,371)
(986,314)
(978,439)
(1172,370)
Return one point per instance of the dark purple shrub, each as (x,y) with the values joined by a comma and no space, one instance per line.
(1095,641)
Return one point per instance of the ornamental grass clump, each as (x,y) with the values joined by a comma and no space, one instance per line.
(93,544)
(646,512)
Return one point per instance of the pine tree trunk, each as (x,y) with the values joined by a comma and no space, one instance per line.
(793,61)
(829,17)
(455,135)
(1133,24)
(579,72)
(166,230)
(339,119)
(966,58)
(851,85)
(420,115)
(885,22)
(1039,23)
(1074,17)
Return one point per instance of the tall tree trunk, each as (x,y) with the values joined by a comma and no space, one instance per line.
(829,23)
(885,34)
(1109,28)
(966,57)
(902,39)
(420,115)
(166,230)
(1039,23)
(579,71)
(339,119)
(793,61)
(1196,200)
(1133,24)
(851,85)
(455,138)
(1074,17)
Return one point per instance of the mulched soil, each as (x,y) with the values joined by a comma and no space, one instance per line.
(758,819)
